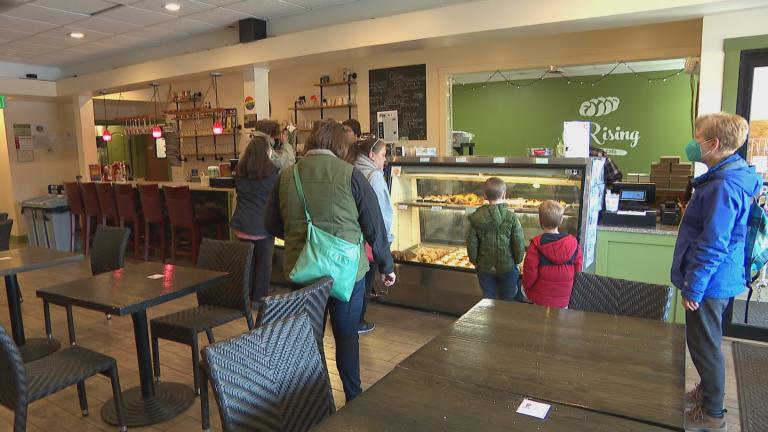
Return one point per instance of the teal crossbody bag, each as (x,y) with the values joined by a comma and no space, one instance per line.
(325,255)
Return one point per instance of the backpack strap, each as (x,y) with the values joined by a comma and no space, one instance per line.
(300,191)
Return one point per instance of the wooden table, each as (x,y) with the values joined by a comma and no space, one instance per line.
(600,372)
(407,400)
(130,291)
(13,262)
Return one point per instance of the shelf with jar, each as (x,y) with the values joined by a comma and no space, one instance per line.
(203,122)
(325,102)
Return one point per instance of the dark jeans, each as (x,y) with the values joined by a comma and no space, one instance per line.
(502,286)
(369,277)
(262,267)
(345,320)
(704,333)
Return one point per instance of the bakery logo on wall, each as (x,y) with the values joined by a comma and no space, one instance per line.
(607,135)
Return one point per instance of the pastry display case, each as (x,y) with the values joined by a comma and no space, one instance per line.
(432,199)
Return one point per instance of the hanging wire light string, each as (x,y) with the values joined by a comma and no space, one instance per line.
(106,135)
(552,71)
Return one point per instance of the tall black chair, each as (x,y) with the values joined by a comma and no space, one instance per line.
(107,254)
(5,234)
(594,293)
(269,379)
(216,306)
(23,383)
(3,216)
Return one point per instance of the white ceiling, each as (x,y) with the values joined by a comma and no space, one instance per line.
(37,31)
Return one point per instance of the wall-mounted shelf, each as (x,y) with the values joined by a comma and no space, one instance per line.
(314,108)
(336,84)
(296,108)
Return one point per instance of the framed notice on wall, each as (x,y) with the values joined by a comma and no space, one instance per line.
(25,155)
(403,89)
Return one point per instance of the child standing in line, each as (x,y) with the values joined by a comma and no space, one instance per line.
(552,261)
(495,243)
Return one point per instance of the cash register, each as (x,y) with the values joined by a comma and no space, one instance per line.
(635,206)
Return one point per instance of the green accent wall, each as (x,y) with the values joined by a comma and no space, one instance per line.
(506,120)
(733,48)
(639,257)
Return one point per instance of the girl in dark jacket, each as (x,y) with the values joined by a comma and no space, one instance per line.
(255,176)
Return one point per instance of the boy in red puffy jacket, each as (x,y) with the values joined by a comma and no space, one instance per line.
(552,260)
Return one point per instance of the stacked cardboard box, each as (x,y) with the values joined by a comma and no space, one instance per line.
(637,178)
(670,173)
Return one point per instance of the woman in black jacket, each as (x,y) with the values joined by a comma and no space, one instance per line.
(255,177)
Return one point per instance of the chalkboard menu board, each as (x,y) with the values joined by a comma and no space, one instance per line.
(403,89)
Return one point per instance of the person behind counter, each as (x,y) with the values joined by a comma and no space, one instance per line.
(369,158)
(552,261)
(255,176)
(342,203)
(284,155)
(708,262)
(495,244)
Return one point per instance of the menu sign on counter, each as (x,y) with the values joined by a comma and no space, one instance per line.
(403,89)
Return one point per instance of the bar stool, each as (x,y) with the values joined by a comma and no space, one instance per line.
(76,211)
(107,204)
(127,209)
(178,201)
(152,207)
(92,210)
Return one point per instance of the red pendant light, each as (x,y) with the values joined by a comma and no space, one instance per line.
(217,129)
(106,135)
(157,131)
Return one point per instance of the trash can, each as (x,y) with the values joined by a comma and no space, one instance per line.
(47,220)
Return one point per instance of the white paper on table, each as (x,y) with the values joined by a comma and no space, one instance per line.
(533,409)
(631,212)
(5,258)
(155,276)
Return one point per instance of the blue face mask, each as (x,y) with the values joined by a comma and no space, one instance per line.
(693,150)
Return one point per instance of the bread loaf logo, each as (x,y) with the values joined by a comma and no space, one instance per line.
(599,106)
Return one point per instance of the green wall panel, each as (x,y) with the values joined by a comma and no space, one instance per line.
(507,120)
(638,257)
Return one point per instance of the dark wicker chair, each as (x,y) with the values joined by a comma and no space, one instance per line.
(107,254)
(216,306)
(310,301)
(5,234)
(593,293)
(23,383)
(269,379)
(3,216)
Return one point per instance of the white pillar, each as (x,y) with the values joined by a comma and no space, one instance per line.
(7,204)
(85,132)
(256,85)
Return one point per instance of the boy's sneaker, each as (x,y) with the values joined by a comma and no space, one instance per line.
(366,327)
(697,420)
(694,397)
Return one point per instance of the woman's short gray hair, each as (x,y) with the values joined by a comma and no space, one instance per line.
(730,129)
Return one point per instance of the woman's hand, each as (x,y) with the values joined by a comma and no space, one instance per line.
(388,279)
(690,304)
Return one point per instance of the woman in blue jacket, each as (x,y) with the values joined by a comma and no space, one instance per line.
(708,264)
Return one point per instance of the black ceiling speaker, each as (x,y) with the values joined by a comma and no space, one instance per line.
(252,29)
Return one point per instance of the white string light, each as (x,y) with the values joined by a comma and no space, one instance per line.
(553,71)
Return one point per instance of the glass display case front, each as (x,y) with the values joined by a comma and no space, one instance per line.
(432,203)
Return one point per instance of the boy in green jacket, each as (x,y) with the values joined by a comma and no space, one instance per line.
(495,244)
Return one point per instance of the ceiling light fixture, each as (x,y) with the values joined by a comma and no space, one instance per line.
(76,35)
(172,7)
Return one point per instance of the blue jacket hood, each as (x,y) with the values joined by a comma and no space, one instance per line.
(734,170)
